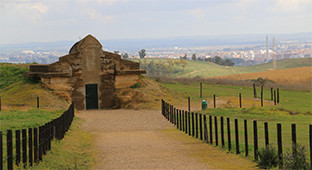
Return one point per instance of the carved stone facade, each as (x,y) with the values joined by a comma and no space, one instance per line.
(87,64)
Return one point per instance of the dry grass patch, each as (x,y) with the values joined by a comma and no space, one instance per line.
(301,76)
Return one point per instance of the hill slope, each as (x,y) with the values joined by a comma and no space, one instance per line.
(208,69)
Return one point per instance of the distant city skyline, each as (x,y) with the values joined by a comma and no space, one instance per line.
(54,20)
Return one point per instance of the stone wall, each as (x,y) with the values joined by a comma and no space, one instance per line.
(60,86)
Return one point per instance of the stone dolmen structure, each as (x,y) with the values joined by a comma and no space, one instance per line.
(89,76)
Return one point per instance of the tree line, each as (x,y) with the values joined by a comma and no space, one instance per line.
(217,60)
(167,68)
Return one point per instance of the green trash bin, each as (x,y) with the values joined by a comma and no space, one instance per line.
(204,104)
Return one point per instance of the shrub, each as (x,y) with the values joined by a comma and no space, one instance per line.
(268,157)
(136,85)
(296,158)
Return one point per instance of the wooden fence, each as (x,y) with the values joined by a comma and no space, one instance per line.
(197,127)
(32,143)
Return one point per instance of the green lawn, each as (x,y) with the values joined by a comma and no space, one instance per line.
(15,119)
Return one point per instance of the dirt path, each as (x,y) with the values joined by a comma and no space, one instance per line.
(143,139)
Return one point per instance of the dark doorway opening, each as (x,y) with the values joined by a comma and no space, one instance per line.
(91,96)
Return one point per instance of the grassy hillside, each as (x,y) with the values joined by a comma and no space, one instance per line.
(11,73)
(208,69)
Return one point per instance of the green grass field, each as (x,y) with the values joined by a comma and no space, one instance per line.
(15,119)
(208,69)
(291,100)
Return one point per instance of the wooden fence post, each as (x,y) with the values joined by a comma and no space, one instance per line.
(167,111)
(189,123)
(274,97)
(17,147)
(240,100)
(205,129)
(1,151)
(183,121)
(186,121)
(222,131)
(246,137)
(261,96)
(45,136)
(254,89)
(255,139)
(37,102)
(266,134)
(174,121)
(293,137)
(24,146)
(50,134)
(310,138)
(177,118)
(271,94)
(0,107)
(196,125)
(174,116)
(279,144)
(201,90)
(9,149)
(162,107)
(189,104)
(30,147)
(41,142)
(36,145)
(216,129)
(277,96)
(210,129)
(229,133)
(214,101)
(171,114)
(193,125)
(236,136)
(200,127)
(180,120)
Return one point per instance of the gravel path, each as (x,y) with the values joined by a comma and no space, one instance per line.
(143,139)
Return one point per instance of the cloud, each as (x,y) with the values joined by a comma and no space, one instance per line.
(93,14)
(108,2)
(23,10)
(40,7)
(292,5)
(197,13)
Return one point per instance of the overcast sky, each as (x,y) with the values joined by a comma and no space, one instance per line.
(52,20)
